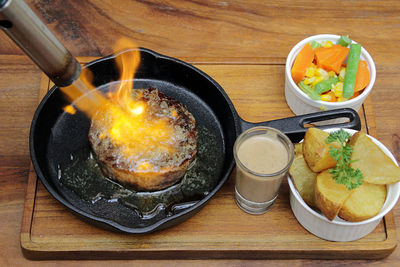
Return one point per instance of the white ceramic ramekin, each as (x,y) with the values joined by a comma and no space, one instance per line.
(338,229)
(300,103)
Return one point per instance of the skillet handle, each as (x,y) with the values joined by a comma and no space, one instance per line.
(294,128)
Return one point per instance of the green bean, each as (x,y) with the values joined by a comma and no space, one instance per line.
(315,44)
(325,85)
(351,70)
(344,41)
(309,91)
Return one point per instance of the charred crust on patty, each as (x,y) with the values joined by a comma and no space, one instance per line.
(168,168)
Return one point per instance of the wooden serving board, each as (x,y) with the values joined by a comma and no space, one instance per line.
(220,229)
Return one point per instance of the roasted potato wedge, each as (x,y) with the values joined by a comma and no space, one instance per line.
(365,202)
(375,165)
(298,149)
(316,150)
(330,196)
(303,179)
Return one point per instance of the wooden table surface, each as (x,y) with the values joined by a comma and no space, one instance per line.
(212,32)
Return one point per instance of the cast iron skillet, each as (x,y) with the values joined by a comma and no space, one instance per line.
(55,134)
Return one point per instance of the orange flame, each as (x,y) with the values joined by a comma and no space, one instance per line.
(127,63)
(70,109)
(129,122)
(89,100)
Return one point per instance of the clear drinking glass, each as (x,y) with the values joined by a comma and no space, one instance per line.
(263,156)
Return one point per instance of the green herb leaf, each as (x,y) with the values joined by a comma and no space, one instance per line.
(340,136)
(342,173)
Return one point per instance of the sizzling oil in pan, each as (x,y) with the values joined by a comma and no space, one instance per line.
(82,174)
(79,179)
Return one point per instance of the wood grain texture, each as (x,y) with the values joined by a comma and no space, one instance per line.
(238,23)
(213,32)
(215,29)
(50,231)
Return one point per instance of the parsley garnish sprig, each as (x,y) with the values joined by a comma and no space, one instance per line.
(342,173)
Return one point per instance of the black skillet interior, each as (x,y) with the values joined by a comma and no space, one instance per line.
(59,139)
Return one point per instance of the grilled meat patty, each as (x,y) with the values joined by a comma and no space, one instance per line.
(151,146)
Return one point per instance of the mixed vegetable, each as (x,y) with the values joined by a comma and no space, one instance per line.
(331,72)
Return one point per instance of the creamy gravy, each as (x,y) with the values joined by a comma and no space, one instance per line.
(262,154)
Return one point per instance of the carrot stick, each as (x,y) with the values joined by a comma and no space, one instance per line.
(355,94)
(362,78)
(302,62)
(332,58)
(331,96)
(322,53)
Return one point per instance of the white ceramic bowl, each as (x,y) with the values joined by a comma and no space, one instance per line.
(300,103)
(338,229)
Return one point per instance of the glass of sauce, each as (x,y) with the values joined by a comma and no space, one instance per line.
(263,156)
